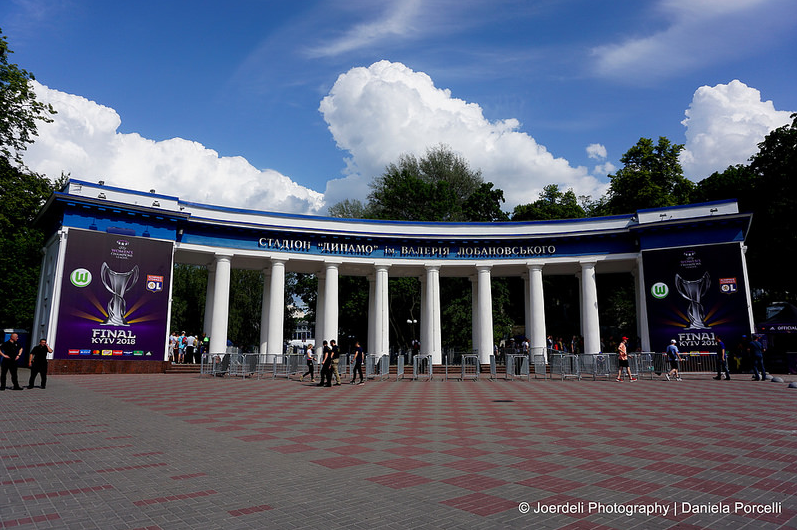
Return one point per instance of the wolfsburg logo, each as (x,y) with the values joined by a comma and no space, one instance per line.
(659,290)
(80,277)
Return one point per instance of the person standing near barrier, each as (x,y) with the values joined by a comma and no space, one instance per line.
(359,355)
(722,359)
(11,351)
(308,355)
(335,361)
(326,363)
(622,360)
(673,356)
(37,362)
(757,354)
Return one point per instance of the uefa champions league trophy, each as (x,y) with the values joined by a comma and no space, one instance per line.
(117,283)
(694,291)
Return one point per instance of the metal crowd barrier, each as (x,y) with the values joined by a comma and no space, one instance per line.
(565,365)
(642,363)
(377,366)
(517,365)
(244,364)
(599,364)
(422,367)
(540,366)
(470,367)
(286,365)
(493,368)
(400,367)
(220,364)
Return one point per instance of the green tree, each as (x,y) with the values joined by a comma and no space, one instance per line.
(552,204)
(23,195)
(19,109)
(772,233)
(651,177)
(436,187)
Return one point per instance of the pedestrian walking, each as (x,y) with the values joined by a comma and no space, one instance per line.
(308,355)
(756,350)
(326,366)
(622,360)
(335,361)
(673,357)
(359,355)
(722,359)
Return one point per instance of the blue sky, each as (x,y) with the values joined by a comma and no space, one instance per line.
(292,106)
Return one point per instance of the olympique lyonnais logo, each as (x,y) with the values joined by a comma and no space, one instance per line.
(154,283)
(80,277)
(728,285)
(660,290)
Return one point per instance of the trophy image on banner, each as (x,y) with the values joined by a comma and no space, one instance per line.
(694,291)
(117,283)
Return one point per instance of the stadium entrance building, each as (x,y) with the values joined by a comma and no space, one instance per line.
(104,298)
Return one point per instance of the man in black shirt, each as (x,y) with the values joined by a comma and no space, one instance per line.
(358,364)
(335,361)
(38,362)
(11,351)
(326,362)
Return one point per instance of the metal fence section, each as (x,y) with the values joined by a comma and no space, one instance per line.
(642,363)
(400,367)
(422,367)
(565,365)
(493,368)
(517,365)
(286,365)
(219,364)
(540,366)
(470,367)
(377,366)
(244,364)
(598,364)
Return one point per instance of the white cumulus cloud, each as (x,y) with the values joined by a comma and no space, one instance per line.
(596,151)
(385,110)
(724,125)
(84,141)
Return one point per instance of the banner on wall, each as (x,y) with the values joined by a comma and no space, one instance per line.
(695,294)
(114,297)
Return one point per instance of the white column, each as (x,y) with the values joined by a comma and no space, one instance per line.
(331,302)
(527,307)
(319,316)
(589,297)
(381,312)
(276,306)
(264,310)
(580,306)
(641,306)
(221,304)
(372,317)
(536,302)
(208,322)
(474,313)
(424,335)
(743,250)
(485,314)
(434,345)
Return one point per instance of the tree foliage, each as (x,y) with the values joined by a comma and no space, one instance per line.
(552,204)
(651,178)
(19,109)
(439,186)
(23,195)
